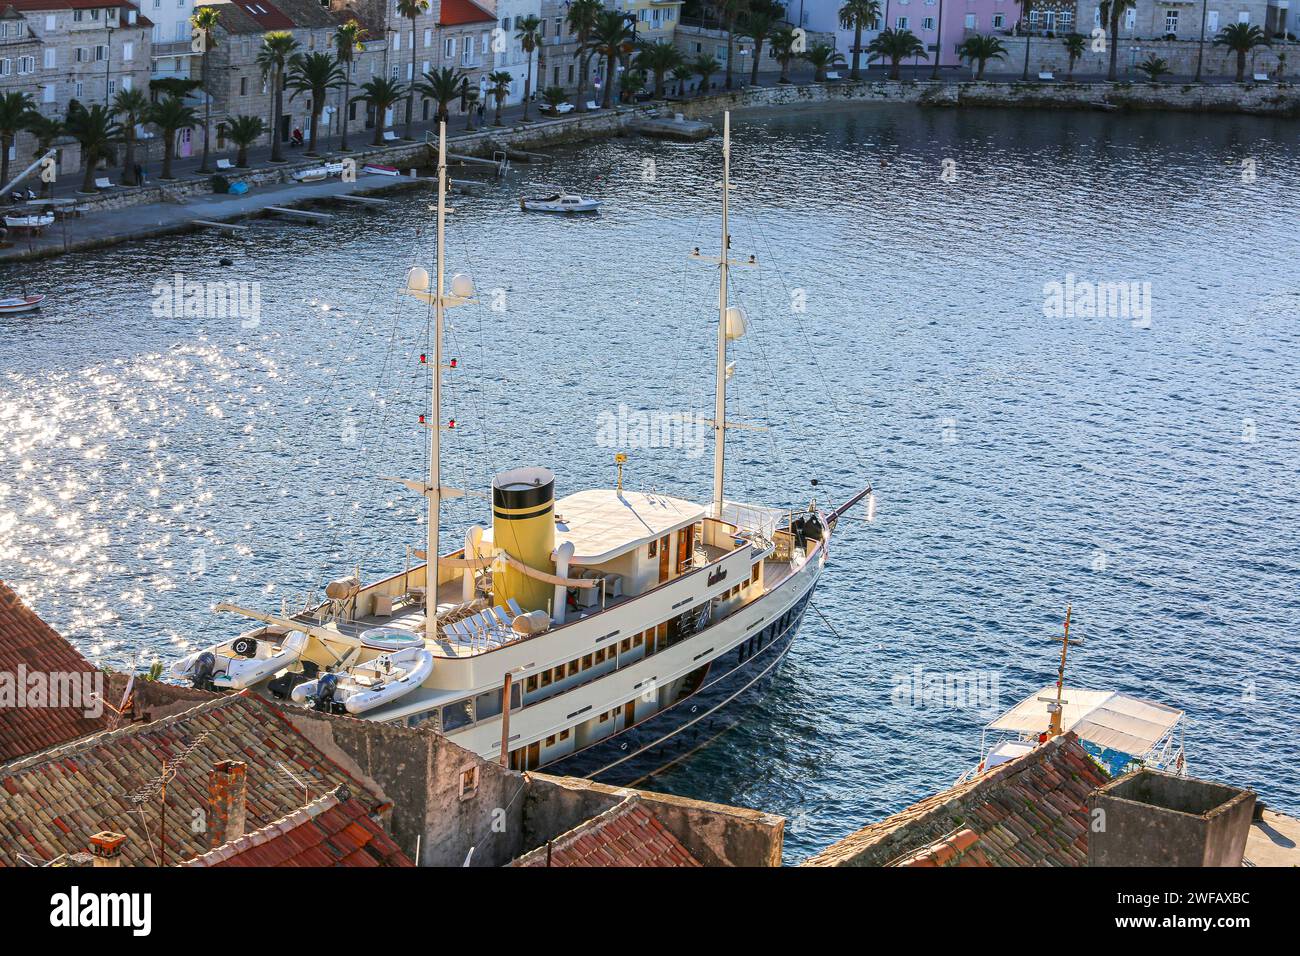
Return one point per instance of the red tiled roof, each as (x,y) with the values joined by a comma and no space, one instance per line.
(1031,811)
(455,13)
(52,802)
(28,642)
(335,830)
(33,5)
(626,835)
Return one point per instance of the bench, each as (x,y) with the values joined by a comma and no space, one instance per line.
(103,183)
(1261,77)
(390,136)
(833,75)
(225,164)
(1047,75)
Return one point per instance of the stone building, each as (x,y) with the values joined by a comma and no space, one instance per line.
(60,50)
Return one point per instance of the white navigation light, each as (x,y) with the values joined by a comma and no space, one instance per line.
(462,286)
(736,322)
(417,280)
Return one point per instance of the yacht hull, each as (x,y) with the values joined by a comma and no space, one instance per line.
(674,733)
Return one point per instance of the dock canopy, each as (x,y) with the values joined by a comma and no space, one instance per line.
(1101,717)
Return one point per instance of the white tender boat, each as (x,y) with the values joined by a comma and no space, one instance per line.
(559,202)
(30,221)
(364,687)
(243,661)
(21,303)
(604,633)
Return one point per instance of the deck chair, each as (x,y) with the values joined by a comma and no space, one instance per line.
(515,609)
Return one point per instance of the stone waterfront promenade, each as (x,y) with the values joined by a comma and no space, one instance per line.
(126,214)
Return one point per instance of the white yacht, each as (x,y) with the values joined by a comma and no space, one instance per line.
(600,633)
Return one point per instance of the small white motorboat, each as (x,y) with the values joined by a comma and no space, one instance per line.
(559,202)
(317,173)
(242,661)
(378,169)
(366,686)
(30,221)
(20,303)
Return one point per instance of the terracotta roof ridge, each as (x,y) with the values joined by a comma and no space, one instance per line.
(110,736)
(276,828)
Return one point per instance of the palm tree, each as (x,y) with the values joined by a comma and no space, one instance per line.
(1075,44)
(95,130)
(705,66)
(243,132)
(499,90)
(442,86)
(857,15)
(411,9)
(1025,5)
(607,39)
(981,49)
(1111,12)
(658,58)
(46,130)
(471,99)
(204,21)
(823,57)
(553,96)
(729,10)
(896,46)
(758,22)
(170,115)
(528,33)
(681,74)
(347,41)
(133,107)
(14,108)
(1154,67)
(380,94)
(278,49)
(1241,38)
(782,43)
(582,22)
(314,74)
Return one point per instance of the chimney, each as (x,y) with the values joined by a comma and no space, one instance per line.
(1150,818)
(227,809)
(106,847)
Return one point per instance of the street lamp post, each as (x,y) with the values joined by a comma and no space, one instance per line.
(1200,46)
(108,64)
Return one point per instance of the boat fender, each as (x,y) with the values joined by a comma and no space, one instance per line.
(244,646)
(204,665)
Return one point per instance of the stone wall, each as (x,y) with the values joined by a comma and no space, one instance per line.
(1048,55)
(716,835)
(1261,99)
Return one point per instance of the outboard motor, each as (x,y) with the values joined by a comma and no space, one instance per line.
(204,667)
(325,688)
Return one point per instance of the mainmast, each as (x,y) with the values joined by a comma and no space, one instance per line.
(435,405)
(418,284)
(720,386)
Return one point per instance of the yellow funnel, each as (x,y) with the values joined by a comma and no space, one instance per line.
(523,525)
